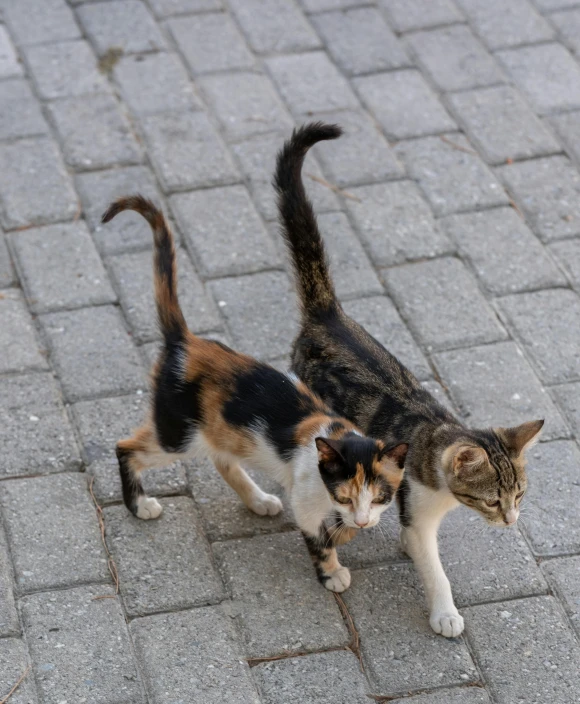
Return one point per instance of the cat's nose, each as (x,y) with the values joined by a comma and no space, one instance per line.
(361,522)
(511,516)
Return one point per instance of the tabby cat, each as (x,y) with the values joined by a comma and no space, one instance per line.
(447,463)
(208,399)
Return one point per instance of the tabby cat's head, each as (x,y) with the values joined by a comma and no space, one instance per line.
(361,476)
(485,470)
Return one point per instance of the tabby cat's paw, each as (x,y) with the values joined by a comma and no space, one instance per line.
(148,508)
(339,580)
(447,623)
(266,505)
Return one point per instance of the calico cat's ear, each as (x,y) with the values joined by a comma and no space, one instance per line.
(522,437)
(468,460)
(395,454)
(329,451)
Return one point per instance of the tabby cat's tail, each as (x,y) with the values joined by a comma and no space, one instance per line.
(298,222)
(171,320)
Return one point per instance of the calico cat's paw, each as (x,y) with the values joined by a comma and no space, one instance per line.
(147,508)
(447,623)
(339,580)
(266,505)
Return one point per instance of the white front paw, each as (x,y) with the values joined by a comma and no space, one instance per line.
(339,580)
(448,623)
(266,505)
(148,508)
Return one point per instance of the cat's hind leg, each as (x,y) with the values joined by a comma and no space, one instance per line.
(249,492)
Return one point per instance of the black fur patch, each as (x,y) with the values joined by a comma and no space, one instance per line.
(131,484)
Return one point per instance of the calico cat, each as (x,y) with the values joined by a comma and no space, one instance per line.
(208,399)
(447,463)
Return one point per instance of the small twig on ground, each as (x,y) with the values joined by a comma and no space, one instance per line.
(354,644)
(110,562)
(515,207)
(78,212)
(457,146)
(20,681)
(252,662)
(334,188)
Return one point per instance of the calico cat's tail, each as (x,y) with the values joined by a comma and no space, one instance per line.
(171,320)
(298,222)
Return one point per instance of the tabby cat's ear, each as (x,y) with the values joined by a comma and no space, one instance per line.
(522,436)
(468,460)
(329,451)
(395,454)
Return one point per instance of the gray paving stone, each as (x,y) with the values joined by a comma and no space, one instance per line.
(64,69)
(310,83)
(441,394)
(9,63)
(126,24)
(568,25)
(19,349)
(458,695)
(567,127)
(9,624)
(454,58)
(187,152)
(260,311)
(525,646)
(400,651)
(128,231)
(224,232)
(315,679)
(502,25)
(211,42)
(35,433)
(501,125)
(257,159)
(540,318)
(361,155)
(494,385)
(442,304)
(451,174)
(53,21)
(245,104)
(177,574)
(133,276)
(281,28)
(152,83)
(80,647)
(7,274)
(506,256)
(420,14)
(92,352)
(547,74)
(403,104)
(568,398)
(375,546)
(15,659)
(396,224)
(550,5)
(166,8)
(550,509)
(60,267)
(34,186)
(198,648)
(53,532)
(547,191)
(379,317)
(360,41)
(563,576)
(321,5)
(16,99)
(95,134)
(281,606)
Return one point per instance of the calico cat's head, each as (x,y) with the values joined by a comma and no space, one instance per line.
(485,470)
(361,476)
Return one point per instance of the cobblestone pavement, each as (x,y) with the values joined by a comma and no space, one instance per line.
(453,224)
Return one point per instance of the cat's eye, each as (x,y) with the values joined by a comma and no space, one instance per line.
(519,496)
(379,499)
(343,500)
(492,504)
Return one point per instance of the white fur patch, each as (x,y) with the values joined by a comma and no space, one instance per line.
(339,580)
(265,504)
(148,508)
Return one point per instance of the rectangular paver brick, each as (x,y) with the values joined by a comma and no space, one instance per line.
(568,25)
(568,398)
(93,353)
(458,695)
(35,188)
(7,274)
(400,651)
(396,224)
(360,41)
(166,8)
(454,58)
(19,348)
(224,231)
(53,21)
(80,647)
(567,253)
(451,174)
(211,42)
(420,14)
(187,152)
(53,532)
(10,65)
(35,432)
(60,267)
(540,318)
(506,256)
(442,304)
(310,82)
(404,104)
(563,576)
(495,385)
(567,127)
(193,656)
(501,124)
(9,625)
(546,73)
(15,659)
(322,5)
(16,99)
(165,564)
(282,606)
(525,646)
